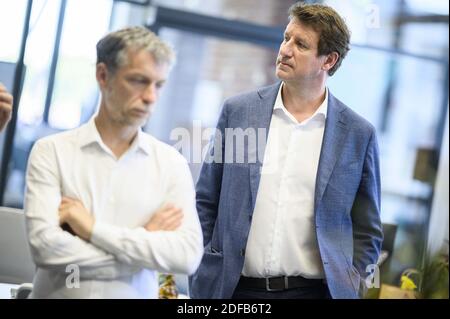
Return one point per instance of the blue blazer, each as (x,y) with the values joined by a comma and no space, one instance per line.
(346,203)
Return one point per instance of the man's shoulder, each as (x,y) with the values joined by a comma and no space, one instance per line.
(64,138)
(162,150)
(353,118)
(247,98)
(50,146)
(242,98)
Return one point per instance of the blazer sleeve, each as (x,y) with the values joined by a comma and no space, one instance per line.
(209,184)
(367,228)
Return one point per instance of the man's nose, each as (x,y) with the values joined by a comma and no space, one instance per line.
(285,50)
(149,96)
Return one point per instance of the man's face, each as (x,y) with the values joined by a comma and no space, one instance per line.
(130,93)
(297,58)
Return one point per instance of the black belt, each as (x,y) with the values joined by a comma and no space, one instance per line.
(278,283)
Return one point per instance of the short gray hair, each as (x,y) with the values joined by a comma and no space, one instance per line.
(113,48)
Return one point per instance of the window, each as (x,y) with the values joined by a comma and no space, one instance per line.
(76,94)
(73,101)
(208,70)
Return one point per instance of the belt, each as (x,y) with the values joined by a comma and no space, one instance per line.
(278,283)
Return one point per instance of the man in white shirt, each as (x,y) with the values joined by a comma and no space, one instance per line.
(6,101)
(108,206)
(304,220)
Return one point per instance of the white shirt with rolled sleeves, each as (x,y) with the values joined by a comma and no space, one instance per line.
(122,258)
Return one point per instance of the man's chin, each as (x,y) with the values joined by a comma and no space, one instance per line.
(138,122)
(143,122)
(281,75)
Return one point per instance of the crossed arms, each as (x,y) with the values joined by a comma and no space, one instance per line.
(170,241)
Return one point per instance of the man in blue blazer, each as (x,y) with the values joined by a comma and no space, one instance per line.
(303,219)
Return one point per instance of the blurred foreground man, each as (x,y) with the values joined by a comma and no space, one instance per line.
(108,205)
(304,220)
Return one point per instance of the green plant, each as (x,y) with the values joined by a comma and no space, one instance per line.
(435,278)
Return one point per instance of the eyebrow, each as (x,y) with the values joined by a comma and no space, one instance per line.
(297,38)
(146,78)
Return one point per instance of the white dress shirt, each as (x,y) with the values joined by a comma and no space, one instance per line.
(282,239)
(122,258)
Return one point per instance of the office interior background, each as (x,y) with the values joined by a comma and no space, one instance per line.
(396,76)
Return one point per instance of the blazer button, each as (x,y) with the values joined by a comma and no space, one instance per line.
(242,252)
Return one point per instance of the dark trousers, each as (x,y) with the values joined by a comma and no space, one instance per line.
(314,292)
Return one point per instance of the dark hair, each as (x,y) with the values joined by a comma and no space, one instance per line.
(334,35)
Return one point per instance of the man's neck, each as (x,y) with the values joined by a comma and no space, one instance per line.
(117,137)
(302,101)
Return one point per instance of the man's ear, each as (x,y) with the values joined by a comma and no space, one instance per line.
(102,74)
(330,61)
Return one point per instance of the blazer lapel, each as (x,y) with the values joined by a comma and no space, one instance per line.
(260,114)
(335,133)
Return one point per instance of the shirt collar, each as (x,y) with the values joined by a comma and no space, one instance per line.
(89,135)
(322,110)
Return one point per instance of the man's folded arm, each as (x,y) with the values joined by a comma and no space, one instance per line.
(52,247)
(177,251)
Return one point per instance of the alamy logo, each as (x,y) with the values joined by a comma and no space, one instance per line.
(233,146)
(73,279)
(373,279)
